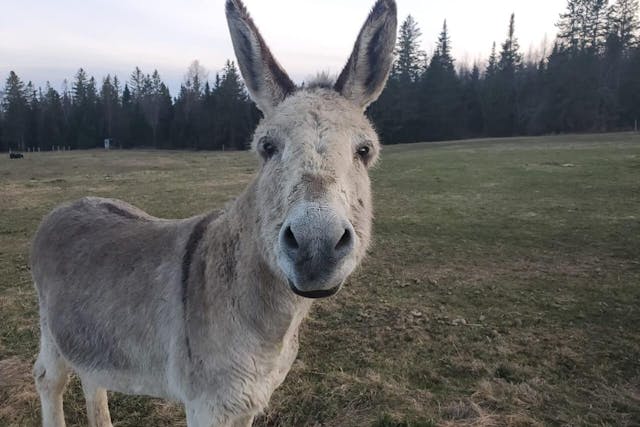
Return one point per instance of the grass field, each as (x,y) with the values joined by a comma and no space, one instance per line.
(503,287)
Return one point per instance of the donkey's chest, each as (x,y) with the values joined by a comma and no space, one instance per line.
(278,369)
(270,373)
(245,380)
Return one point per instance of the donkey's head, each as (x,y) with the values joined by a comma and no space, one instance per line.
(316,147)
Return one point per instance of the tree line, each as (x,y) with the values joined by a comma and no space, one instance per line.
(588,82)
(140,113)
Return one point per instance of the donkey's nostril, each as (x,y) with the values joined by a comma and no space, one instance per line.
(345,241)
(290,239)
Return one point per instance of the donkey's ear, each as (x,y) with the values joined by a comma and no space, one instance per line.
(366,72)
(266,81)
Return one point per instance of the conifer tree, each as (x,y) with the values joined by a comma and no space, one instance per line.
(233,108)
(510,56)
(14,105)
(440,101)
(500,101)
(492,63)
(136,85)
(109,103)
(84,112)
(570,26)
(397,111)
(442,56)
(409,57)
(154,103)
(79,87)
(596,27)
(54,125)
(625,16)
(34,118)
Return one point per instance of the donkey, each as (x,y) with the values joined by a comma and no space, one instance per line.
(206,310)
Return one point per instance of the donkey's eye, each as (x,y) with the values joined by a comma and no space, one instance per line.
(267,147)
(363,152)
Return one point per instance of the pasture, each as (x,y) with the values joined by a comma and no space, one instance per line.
(502,288)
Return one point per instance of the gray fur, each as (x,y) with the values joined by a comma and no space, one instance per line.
(206,310)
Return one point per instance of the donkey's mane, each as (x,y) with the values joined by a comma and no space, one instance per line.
(321,81)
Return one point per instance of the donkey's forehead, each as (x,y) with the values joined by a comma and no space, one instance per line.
(320,111)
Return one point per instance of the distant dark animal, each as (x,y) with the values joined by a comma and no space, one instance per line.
(16,156)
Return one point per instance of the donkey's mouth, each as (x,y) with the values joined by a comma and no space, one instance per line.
(316,294)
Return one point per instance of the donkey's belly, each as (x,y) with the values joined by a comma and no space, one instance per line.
(90,342)
(133,383)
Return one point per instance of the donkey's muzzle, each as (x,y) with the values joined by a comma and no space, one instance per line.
(316,250)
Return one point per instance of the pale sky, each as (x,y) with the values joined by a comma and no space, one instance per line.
(49,40)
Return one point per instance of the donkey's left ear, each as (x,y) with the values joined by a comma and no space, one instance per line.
(366,72)
(267,82)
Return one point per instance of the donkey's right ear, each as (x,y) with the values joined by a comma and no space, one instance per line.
(267,82)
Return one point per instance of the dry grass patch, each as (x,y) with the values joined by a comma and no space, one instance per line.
(18,396)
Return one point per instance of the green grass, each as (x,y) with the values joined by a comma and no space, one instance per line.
(503,286)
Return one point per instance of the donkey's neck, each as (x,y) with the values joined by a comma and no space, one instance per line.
(238,275)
